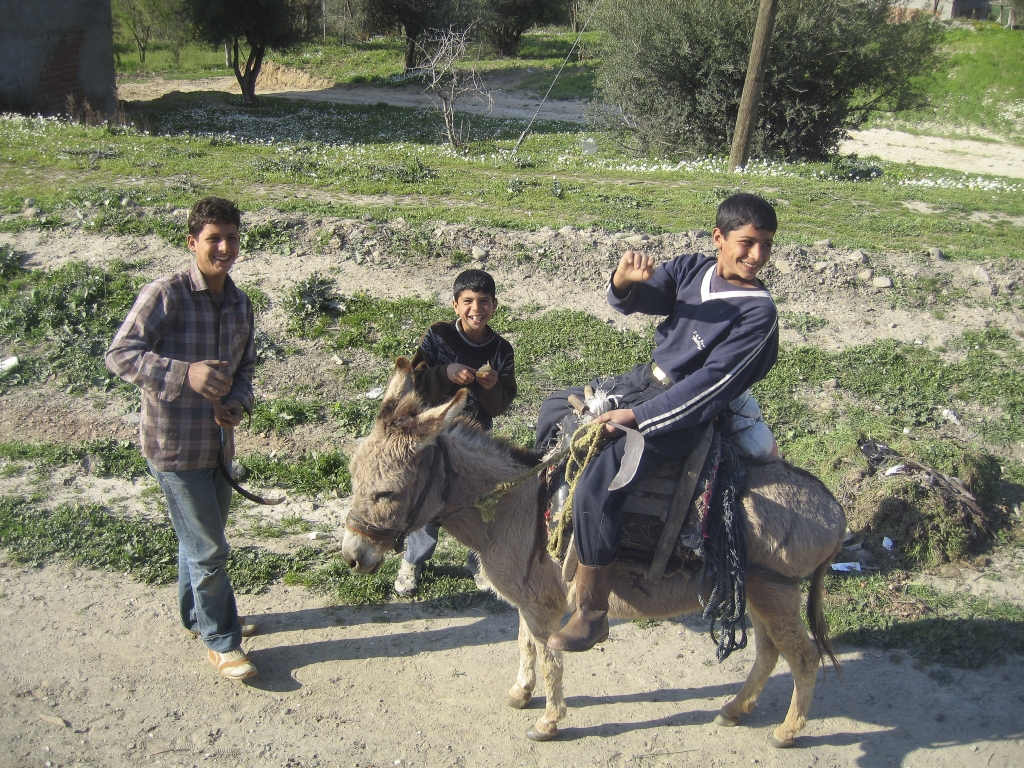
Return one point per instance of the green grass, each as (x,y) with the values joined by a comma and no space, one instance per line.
(283,414)
(380,61)
(802,322)
(62,321)
(88,535)
(324,156)
(309,474)
(980,87)
(117,458)
(196,61)
(950,628)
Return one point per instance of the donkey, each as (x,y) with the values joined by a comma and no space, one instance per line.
(419,465)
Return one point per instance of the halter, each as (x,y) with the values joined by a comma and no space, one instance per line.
(440,462)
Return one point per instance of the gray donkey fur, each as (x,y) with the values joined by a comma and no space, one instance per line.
(794,529)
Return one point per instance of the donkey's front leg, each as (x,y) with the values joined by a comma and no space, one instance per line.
(540,623)
(521,693)
(546,727)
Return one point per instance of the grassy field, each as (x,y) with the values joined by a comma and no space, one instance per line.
(326,160)
(196,61)
(979,92)
(380,61)
(337,160)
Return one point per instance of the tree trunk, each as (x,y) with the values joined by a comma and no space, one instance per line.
(247,77)
(410,48)
(227,55)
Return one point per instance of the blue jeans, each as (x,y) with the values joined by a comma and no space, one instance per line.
(198,501)
(420,545)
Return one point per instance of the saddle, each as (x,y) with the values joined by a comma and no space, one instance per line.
(664,516)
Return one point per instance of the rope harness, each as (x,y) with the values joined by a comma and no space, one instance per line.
(586,442)
(439,473)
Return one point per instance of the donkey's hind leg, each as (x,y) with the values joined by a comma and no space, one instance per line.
(767,655)
(778,608)
(521,693)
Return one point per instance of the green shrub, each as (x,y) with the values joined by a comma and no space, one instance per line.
(311,298)
(675,69)
(503,22)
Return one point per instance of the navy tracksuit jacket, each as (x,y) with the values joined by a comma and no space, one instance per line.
(716,342)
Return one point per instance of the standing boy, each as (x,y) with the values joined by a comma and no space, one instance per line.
(460,354)
(188,344)
(719,338)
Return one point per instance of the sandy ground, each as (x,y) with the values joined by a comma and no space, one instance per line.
(1000,159)
(403,685)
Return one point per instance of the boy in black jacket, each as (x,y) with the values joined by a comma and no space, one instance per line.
(719,338)
(460,354)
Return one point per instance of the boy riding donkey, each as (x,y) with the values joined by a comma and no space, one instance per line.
(719,338)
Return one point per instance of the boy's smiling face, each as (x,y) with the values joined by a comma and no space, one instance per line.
(743,253)
(216,249)
(475,309)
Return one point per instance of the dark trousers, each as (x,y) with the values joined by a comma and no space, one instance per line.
(597,512)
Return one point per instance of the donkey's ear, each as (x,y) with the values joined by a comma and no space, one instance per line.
(400,385)
(434,420)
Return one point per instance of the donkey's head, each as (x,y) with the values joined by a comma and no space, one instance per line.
(398,472)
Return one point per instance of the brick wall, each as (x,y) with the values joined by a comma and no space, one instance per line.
(53,49)
(59,78)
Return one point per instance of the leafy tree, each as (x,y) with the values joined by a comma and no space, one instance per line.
(414,17)
(673,70)
(503,22)
(260,24)
(173,27)
(138,17)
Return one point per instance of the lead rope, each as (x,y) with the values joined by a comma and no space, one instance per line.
(586,440)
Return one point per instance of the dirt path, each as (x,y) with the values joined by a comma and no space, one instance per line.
(292,84)
(404,685)
(894,146)
(957,154)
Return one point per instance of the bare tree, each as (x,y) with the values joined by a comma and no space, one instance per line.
(447,82)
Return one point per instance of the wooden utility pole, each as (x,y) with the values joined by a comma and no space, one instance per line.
(747,117)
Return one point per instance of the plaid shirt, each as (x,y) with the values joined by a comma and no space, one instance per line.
(175,322)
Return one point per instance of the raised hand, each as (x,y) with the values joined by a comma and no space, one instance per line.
(634,267)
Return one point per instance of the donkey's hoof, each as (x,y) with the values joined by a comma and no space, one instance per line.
(520,703)
(726,722)
(537,735)
(781,743)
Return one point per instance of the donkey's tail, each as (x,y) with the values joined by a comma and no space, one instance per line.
(816,615)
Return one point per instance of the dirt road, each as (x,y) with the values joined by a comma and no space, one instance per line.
(895,146)
(403,685)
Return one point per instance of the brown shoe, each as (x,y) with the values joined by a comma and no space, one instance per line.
(589,625)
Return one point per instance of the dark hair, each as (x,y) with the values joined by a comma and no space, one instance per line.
(212,210)
(744,208)
(474,280)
